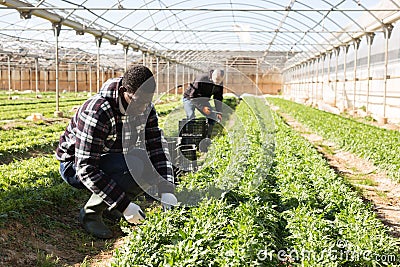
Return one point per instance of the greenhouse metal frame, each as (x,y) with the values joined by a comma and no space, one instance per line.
(295,42)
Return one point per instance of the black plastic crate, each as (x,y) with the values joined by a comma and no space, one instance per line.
(194,127)
(187,158)
(191,140)
(173,144)
(188,151)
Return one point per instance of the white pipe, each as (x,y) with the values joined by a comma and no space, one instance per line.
(76,79)
(370,39)
(158,76)
(9,75)
(56,33)
(98,44)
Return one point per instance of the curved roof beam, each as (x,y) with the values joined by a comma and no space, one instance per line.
(285,15)
(166,18)
(200,14)
(265,21)
(54,18)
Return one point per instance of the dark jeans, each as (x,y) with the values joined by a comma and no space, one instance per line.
(115,165)
(189,108)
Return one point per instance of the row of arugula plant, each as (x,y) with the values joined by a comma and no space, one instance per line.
(25,104)
(380,146)
(300,208)
(22,108)
(14,112)
(41,137)
(327,221)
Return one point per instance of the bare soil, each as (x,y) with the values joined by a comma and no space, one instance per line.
(53,238)
(373,183)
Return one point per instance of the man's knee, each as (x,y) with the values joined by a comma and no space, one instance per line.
(68,174)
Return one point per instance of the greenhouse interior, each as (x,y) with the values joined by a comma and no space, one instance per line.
(294,162)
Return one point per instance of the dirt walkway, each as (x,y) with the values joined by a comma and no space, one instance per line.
(373,184)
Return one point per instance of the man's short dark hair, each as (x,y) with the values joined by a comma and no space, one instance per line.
(139,76)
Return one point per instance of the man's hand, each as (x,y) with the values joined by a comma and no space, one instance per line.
(134,214)
(219,117)
(168,200)
(206,110)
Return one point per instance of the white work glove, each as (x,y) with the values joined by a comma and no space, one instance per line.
(168,200)
(134,214)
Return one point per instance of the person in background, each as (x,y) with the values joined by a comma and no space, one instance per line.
(113,147)
(199,93)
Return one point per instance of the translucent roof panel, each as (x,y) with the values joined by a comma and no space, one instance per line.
(274,32)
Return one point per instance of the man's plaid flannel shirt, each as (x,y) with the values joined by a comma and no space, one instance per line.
(96,129)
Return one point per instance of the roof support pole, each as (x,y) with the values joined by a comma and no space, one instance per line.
(344,100)
(90,80)
(299,80)
(167,87)
(157,75)
(312,73)
(314,83)
(20,79)
(387,30)
(295,82)
(30,80)
(314,80)
(36,76)
(98,44)
(9,75)
(57,29)
(176,79)
(126,50)
(102,75)
(143,58)
(296,79)
(337,52)
(76,79)
(302,82)
(45,80)
(226,72)
(151,63)
(329,70)
(321,97)
(370,39)
(188,75)
(317,60)
(257,70)
(285,81)
(309,87)
(183,78)
(356,44)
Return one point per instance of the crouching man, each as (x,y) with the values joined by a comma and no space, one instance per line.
(114,148)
